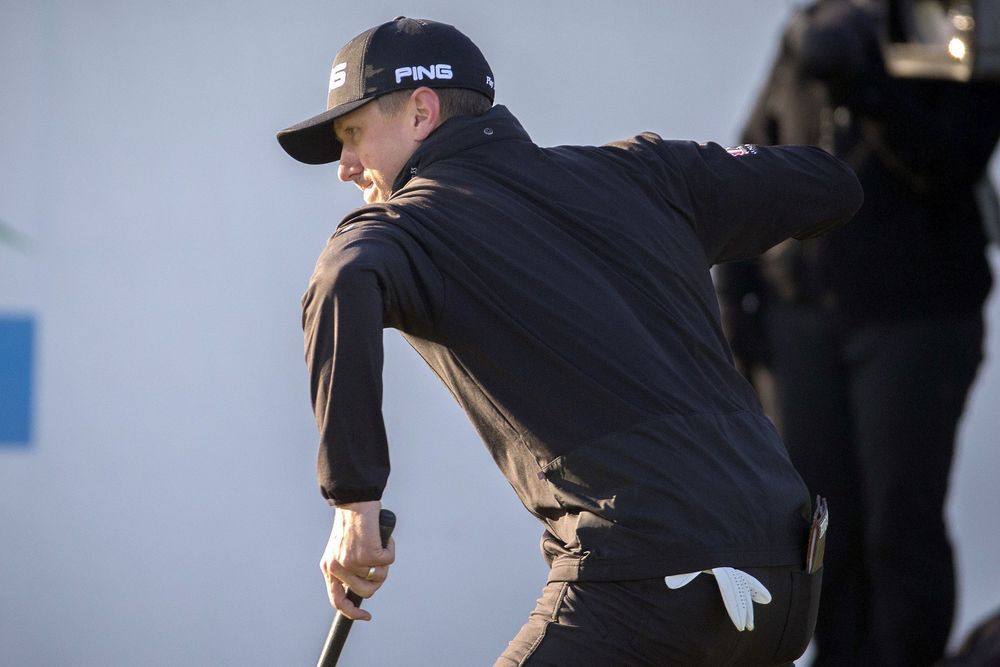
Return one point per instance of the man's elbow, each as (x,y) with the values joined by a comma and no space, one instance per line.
(846,198)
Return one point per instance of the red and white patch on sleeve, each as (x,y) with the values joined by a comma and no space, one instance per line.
(742,149)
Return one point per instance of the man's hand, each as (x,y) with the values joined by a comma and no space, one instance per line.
(353,553)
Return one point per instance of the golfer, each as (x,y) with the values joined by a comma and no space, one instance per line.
(563,296)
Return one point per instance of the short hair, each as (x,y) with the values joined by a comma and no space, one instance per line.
(454,102)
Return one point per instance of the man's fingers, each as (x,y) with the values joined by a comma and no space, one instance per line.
(366,587)
(355,562)
(373,574)
(334,590)
(363,575)
(361,585)
(351,610)
(341,602)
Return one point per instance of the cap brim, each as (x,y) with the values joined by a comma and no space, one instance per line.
(313,141)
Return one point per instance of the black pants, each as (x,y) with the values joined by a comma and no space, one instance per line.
(869,414)
(637,623)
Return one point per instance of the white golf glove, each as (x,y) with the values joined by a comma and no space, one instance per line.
(739,592)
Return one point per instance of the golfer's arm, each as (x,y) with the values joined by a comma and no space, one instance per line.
(342,323)
(755,200)
(372,275)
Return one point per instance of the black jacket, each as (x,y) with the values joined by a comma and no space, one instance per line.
(563,296)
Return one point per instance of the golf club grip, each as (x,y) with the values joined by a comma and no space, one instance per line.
(341,624)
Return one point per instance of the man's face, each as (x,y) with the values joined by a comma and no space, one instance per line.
(376,147)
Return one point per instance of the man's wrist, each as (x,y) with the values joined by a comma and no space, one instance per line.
(361,506)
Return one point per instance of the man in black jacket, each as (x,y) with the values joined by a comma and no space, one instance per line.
(873,333)
(563,296)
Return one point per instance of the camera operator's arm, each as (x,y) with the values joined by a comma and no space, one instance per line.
(938,133)
(942,132)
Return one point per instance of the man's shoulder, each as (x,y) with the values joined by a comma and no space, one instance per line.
(384,219)
(370,236)
(649,152)
(650,145)
(637,141)
(628,153)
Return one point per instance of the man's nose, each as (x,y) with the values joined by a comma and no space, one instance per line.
(349,165)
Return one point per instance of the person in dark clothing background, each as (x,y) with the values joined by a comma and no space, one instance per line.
(563,295)
(873,333)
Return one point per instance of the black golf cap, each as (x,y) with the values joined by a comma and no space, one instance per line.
(398,55)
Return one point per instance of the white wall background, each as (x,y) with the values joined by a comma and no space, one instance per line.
(167,513)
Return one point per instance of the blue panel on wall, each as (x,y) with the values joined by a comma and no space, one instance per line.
(17,343)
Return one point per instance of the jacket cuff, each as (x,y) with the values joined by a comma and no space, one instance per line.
(356,495)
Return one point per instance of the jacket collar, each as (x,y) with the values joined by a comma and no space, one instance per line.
(459,134)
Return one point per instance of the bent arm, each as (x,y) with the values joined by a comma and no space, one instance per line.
(746,203)
(342,322)
(371,275)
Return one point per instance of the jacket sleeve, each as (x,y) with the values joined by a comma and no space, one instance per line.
(363,281)
(743,201)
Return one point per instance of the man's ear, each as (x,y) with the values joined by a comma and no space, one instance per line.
(425,111)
